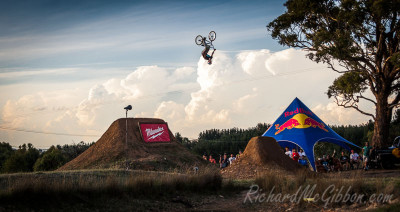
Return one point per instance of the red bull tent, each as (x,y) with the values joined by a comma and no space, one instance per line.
(298,126)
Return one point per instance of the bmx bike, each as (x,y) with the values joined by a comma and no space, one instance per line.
(202,41)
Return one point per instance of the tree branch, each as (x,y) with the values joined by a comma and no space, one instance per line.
(368,99)
(330,65)
(352,105)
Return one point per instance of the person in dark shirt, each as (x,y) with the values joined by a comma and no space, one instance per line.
(225,161)
(344,161)
(331,162)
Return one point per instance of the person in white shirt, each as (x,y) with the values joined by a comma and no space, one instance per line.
(354,159)
(231,159)
(288,152)
(302,154)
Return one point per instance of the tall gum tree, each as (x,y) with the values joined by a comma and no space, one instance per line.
(357,38)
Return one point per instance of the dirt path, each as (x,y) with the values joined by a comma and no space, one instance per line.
(231,202)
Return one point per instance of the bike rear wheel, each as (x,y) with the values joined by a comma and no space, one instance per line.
(212,35)
(199,40)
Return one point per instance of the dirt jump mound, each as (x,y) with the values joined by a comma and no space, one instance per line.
(111,150)
(262,154)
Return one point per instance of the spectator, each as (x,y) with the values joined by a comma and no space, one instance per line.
(225,162)
(303,158)
(288,152)
(239,154)
(231,159)
(325,163)
(212,160)
(354,160)
(330,162)
(344,161)
(302,154)
(295,155)
(366,150)
(319,166)
(205,156)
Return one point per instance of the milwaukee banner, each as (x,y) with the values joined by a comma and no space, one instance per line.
(154,132)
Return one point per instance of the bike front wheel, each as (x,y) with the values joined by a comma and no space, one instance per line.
(199,40)
(212,35)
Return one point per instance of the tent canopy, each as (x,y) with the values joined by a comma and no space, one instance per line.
(298,126)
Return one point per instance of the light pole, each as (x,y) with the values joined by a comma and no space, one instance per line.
(129,107)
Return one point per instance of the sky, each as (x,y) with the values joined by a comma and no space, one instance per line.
(68,68)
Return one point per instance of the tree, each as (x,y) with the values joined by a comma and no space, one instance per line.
(178,137)
(52,159)
(357,38)
(5,152)
(22,160)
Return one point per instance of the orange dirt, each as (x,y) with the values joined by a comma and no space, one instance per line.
(262,154)
(110,150)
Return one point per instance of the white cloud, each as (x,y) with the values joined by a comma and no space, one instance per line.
(16,74)
(255,62)
(235,91)
(332,114)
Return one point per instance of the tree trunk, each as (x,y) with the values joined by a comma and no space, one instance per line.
(382,123)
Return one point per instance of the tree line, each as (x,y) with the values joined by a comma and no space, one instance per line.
(219,141)
(27,158)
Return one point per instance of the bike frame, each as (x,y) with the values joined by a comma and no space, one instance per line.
(209,43)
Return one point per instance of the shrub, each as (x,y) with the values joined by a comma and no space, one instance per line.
(52,159)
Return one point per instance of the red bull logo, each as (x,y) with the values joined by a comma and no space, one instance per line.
(299,121)
(289,124)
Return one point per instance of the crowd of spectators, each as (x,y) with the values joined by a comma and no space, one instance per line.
(345,162)
(299,157)
(328,163)
(331,163)
(224,161)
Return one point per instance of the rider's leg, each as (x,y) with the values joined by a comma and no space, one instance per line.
(212,53)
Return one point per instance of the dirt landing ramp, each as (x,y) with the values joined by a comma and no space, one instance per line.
(262,154)
(111,151)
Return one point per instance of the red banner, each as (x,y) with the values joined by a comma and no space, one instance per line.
(155,133)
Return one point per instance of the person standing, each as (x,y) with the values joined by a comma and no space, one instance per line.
(366,150)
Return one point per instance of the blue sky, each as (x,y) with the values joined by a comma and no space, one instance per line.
(42,34)
(70,66)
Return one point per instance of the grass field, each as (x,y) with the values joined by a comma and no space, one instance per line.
(120,190)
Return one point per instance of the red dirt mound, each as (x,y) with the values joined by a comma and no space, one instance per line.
(110,150)
(262,154)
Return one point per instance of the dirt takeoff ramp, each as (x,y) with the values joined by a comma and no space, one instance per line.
(262,154)
(111,151)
